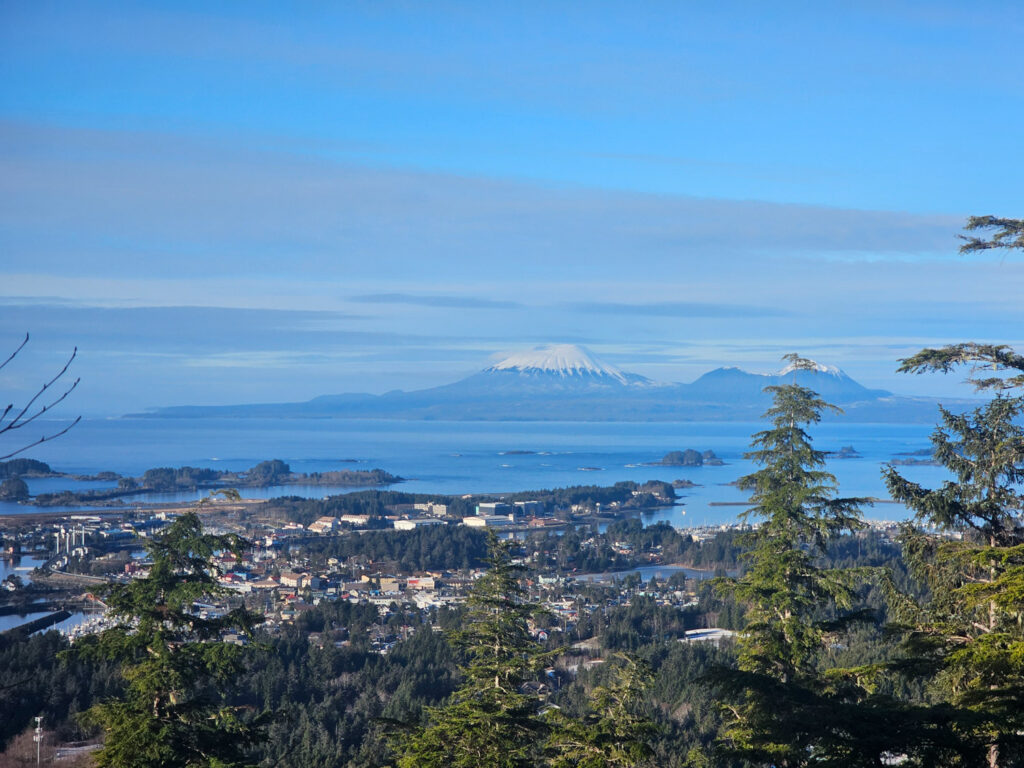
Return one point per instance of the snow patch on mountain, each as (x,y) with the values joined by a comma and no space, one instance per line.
(562,360)
(831,370)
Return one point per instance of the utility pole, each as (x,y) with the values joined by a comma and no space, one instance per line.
(39,739)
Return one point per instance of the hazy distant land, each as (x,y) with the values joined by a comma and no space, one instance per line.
(566,383)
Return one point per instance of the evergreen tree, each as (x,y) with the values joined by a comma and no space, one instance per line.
(969,636)
(780,710)
(493,719)
(176,667)
(615,733)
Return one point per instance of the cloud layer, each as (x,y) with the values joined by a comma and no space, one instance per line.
(114,204)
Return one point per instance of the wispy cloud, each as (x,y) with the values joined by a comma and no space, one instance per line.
(433,300)
(182,329)
(679,309)
(153,205)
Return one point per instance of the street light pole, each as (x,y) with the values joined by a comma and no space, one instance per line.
(39,739)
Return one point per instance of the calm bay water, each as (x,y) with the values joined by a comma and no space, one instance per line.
(472,457)
(22,567)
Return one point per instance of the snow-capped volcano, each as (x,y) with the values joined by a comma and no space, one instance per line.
(564,367)
(560,360)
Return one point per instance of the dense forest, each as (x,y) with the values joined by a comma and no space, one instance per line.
(334,699)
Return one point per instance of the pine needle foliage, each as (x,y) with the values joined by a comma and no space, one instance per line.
(979,358)
(797,515)
(1006,233)
(616,732)
(968,638)
(493,718)
(177,671)
(779,708)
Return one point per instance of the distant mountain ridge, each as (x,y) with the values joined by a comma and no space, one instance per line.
(829,382)
(567,383)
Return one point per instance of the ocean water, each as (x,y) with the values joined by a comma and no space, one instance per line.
(22,567)
(474,457)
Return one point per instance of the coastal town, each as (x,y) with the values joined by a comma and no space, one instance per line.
(290,567)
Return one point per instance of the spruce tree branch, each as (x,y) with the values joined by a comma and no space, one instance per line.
(998,358)
(1009,233)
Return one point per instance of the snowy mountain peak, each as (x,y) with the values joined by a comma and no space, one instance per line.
(831,370)
(563,360)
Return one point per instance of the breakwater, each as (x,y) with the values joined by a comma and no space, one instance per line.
(43,622)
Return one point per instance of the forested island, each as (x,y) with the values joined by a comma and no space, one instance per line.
(176,479)
(687,458)
(846,452)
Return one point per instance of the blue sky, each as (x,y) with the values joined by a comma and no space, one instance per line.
(265,201)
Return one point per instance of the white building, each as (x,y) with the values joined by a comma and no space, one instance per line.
(417,522)
(488,521)
(420,582)
(432,508)
(324,525)
(714,635)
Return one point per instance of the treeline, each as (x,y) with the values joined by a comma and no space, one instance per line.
(35,680)
(21,467)
(330,701)
(176,479)
(628,543)
(327,702)
(577,549)
(592,495)
(429,548)
(375,503)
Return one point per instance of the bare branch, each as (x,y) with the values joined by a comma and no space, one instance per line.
(44,438)
(14,354)
(19,420)
(31,411)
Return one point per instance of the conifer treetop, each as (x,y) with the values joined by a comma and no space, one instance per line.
(177,670)
(1009,233)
